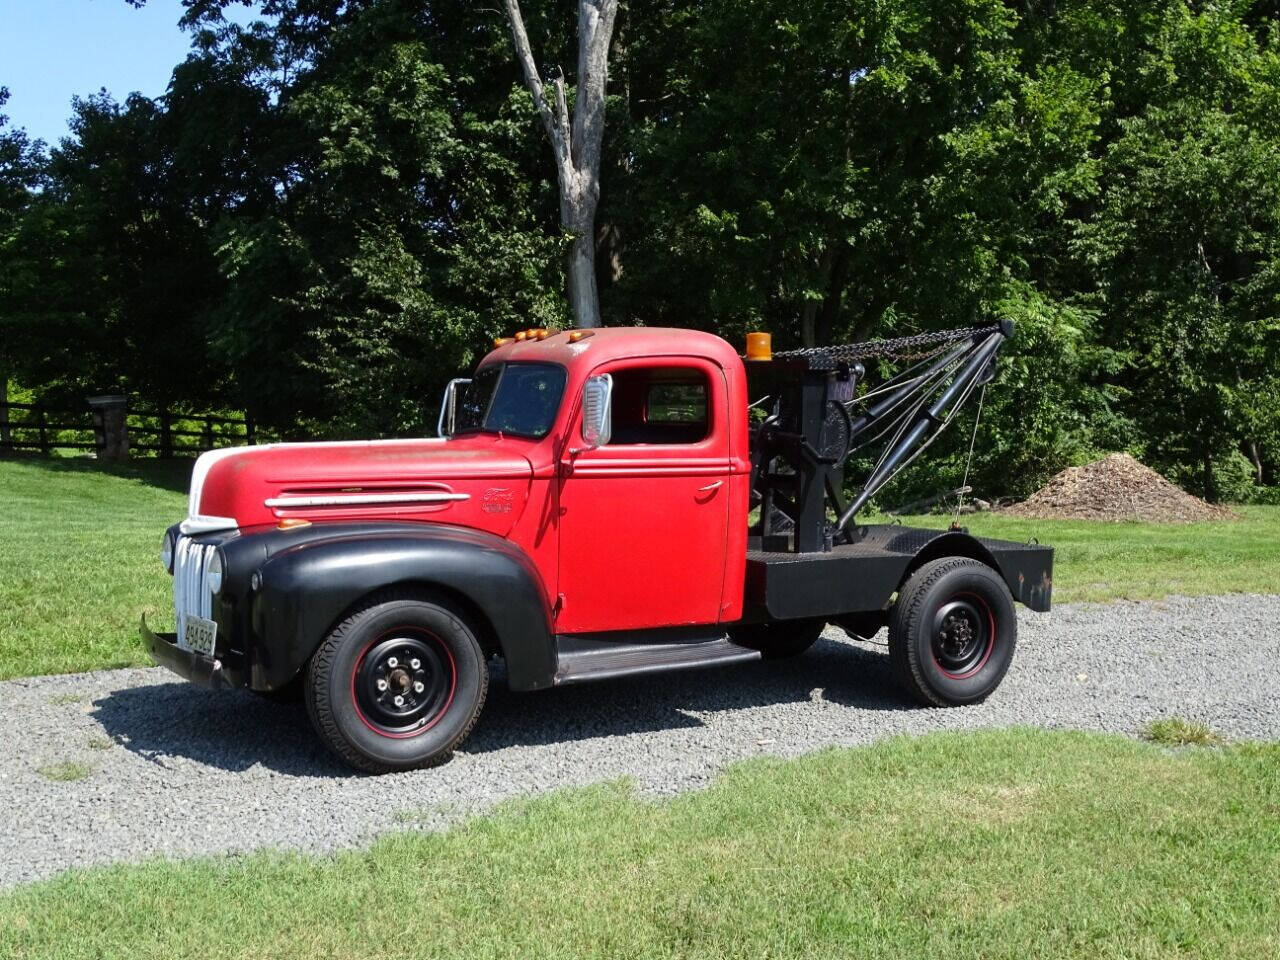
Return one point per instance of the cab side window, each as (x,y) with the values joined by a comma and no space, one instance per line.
(660,405)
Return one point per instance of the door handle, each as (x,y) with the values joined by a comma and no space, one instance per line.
(711,486)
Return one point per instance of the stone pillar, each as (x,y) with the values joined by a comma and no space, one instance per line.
(110,430)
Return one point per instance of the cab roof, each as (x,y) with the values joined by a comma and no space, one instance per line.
(590,348)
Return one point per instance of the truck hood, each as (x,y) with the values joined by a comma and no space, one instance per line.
(479,480)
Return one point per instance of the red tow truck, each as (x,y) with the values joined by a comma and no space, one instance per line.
(600,503)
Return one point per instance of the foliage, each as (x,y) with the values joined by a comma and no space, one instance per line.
(332,210)
(20,178)
(1184,242)
(395,246)
(65,771)
(1177,732)
(109,276)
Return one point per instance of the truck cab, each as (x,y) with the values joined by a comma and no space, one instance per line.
(590,511)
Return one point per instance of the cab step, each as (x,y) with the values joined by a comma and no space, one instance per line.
(585,657)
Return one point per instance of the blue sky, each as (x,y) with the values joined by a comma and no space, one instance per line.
(52,50)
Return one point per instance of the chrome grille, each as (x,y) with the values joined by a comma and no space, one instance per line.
(190,560)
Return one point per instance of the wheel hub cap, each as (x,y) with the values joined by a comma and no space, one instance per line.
(402,683)
(962,635)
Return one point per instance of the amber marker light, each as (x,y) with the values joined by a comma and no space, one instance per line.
(292,523)
(522,335)
(577,335)
(759,346)
(501,341)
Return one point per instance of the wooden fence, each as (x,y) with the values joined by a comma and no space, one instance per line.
(167,434)
(162,433)
(27,426)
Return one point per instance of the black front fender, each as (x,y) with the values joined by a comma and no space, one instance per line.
(307,589)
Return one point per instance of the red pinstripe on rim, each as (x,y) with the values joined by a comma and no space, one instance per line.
(991,640)
(407,734)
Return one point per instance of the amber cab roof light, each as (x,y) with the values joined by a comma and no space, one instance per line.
(759,346)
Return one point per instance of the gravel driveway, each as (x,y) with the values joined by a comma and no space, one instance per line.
(176,770)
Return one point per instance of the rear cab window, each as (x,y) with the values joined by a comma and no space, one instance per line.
(660,405)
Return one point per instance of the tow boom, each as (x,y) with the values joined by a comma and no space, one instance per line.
(819,419)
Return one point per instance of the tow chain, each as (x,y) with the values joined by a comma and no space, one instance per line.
(897,348)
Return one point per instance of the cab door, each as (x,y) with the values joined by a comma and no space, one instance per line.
(644,517)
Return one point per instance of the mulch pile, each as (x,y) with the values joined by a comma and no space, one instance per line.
(1116,488)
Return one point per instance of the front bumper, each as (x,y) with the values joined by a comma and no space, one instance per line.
(205,671)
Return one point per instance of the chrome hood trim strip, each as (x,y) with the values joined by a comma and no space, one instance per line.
(363,499)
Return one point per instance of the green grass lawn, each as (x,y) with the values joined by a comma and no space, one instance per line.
(1012,844)
(79,559)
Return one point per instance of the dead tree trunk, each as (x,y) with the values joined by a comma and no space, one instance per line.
(575,142)
(1256,457)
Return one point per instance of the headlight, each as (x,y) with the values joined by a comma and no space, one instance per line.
(213,573)
(166,551)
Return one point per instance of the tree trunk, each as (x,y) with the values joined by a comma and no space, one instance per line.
(584,300)
(1256,457)
(835,293)
(576,141)
(863,329)
(1210,489)
(808,317)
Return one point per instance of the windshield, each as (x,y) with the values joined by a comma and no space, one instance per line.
(516,398)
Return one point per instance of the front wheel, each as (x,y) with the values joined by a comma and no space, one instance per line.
(398,684)
(952,632)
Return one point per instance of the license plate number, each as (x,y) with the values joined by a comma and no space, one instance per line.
(200,635)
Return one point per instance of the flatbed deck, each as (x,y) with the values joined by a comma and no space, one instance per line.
(863,575)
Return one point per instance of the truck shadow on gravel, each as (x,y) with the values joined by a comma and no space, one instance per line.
(169,723)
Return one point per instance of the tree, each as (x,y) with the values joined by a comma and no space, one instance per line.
(334,208)
(404,231)
(576,144)
(110,272)
(1184,246)
(21,166)
(840,168)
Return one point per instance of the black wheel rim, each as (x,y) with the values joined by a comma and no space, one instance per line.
(963,635)
(403,683)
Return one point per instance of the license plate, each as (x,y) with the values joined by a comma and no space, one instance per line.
(200,635)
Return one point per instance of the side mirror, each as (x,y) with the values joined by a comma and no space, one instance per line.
(597,416)
(449,408)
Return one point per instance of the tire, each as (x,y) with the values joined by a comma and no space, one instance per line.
(952,632)
(427,656)
(779,639)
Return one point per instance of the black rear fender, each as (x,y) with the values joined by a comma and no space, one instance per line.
(1027,569)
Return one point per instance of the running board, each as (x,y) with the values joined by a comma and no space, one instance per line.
(587,657)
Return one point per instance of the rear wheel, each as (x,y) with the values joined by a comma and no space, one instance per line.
(398,684)
(952,632)
(778,639)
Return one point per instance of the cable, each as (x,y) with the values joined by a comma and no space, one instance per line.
(977,419)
